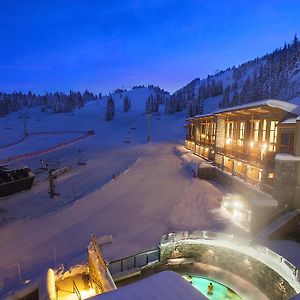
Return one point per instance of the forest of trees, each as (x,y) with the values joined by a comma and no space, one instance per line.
(152,105)
(270,77)
(54,102)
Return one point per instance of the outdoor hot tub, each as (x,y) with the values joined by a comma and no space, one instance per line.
(220,291)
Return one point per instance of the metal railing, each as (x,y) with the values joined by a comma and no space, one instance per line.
(133,262)
(76,290)
(236,242)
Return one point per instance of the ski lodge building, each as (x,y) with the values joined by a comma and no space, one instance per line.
(258,142)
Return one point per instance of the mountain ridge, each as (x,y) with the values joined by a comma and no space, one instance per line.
(275,75)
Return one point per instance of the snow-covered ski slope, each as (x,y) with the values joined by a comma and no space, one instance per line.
(153,191)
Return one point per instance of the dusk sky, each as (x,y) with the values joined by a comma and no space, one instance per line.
(103,45)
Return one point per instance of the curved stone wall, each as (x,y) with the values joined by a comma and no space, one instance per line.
(270,273)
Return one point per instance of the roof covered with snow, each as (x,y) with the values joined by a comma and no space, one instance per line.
(289,121)
(166,285)
(286,106)
(287,157)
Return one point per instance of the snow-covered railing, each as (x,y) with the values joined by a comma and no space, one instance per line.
(221,240)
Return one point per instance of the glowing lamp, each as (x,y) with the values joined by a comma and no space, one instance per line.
(264,146)
(237,204)
(252,144)
(228,141)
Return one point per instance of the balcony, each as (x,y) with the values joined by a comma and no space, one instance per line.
(251,157)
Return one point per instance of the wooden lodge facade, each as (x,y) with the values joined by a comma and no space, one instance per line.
(245,140)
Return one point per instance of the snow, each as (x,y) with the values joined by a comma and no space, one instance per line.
(37,143)
(287,157)
(165,285)
(289,249)
(286,106)
(278,223)
(259,253)
(289,121)
(153,192)
(295,101)
(211,104)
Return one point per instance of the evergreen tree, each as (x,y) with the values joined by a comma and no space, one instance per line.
(126,104)
(149,105)
(110,109)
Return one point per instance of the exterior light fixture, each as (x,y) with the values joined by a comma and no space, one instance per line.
(264,147)
(237,204)
(228,141)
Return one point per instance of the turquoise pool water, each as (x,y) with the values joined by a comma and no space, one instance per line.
(220,292)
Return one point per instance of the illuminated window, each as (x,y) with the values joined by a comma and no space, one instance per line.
(197,133)
(271,175)
(255,131)
(229,133)
(202,131)
(213,131)
(264,130)
(207,130)
(241,134)
(273,135)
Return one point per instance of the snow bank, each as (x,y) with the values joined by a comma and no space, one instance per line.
(47,290)
(165,285)
(287,157)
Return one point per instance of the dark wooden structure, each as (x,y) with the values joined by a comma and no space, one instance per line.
(14,179)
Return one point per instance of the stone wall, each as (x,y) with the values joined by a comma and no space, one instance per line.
(286,181)
(220,134)
(258,274)
(237,185)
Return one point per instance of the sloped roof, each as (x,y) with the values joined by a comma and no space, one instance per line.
(286,106)
(166,285)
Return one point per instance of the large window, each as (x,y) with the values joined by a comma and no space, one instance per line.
(273,136)
(229,133)
(202,131)
(207,125)
(241,134)
(197,134)
(264,131)
(286,142)
(213,131)
(255,132)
